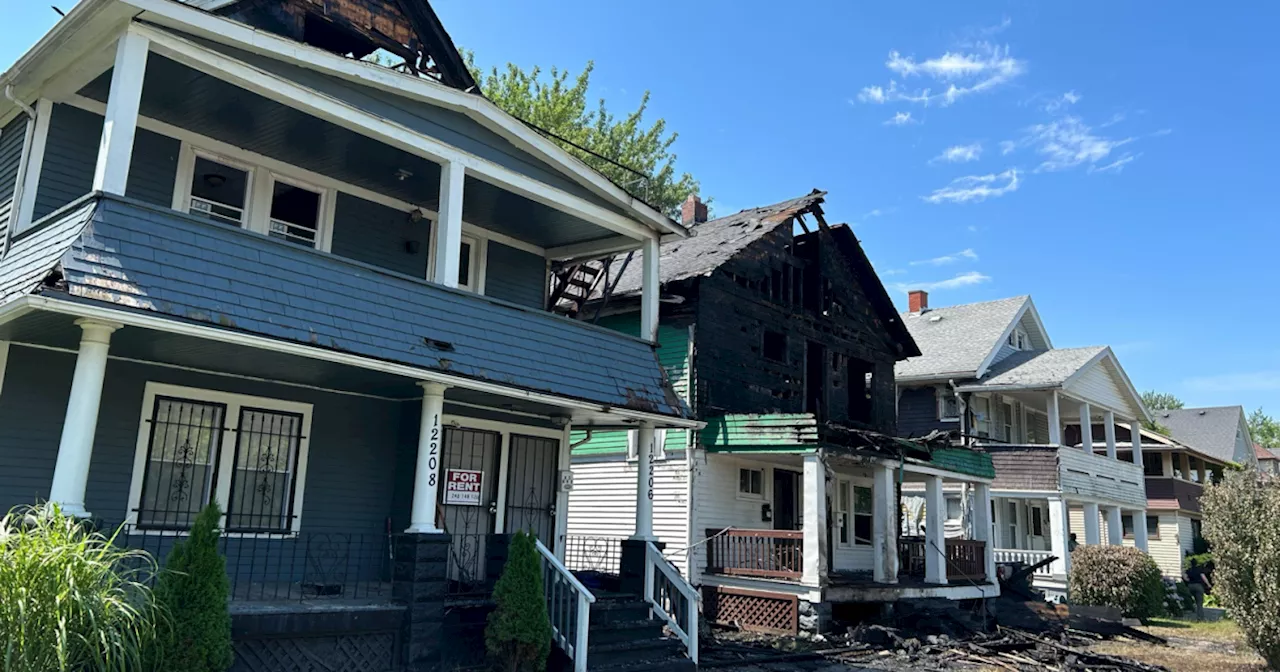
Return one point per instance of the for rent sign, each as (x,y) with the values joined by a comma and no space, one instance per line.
(463,486)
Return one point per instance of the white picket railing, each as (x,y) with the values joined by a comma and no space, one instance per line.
(671,598)
(569,606)
(1026,557)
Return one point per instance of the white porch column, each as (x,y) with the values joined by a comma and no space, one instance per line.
(426,474)
(1086,428)
(1140,529)
(1135,434)
(1092,533)
(884,514)
(115,149)
(1055,420)
(1115,527)
(644,483)
(982,530)
(815,521)
(448,230)
(1109,426)
(935,537)
(75,450)
(1060,535)
(650,289)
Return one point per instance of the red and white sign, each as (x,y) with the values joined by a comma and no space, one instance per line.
(463,487)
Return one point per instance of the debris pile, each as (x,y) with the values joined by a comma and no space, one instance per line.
(1003,634)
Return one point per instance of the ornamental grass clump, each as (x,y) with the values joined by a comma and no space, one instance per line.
(1242,523)
(194,590)
(1117,576)
(69,598)
(519,631)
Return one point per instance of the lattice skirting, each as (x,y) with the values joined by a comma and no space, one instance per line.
(356,652)
(752,610)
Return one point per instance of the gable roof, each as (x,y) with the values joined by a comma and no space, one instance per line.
(1263,453)
(874,289)
(1212,429)
(713,243)
(958,340)
(1039,368)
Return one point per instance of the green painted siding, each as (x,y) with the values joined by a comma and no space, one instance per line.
(963,461)
(673,355)
(780,431)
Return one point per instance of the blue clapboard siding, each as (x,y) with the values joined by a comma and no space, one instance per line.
(350,466)
(918,412)
(379,235)
(516,276)
(174,264)
(71,154)
(12,138)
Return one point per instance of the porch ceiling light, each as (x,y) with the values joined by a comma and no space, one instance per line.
(214,179)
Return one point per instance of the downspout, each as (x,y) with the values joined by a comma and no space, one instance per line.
(8,93)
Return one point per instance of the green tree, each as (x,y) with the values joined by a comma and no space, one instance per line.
(557,102)
(1240,515)
(519,631)
(194,589)
(1161,401)
(1264,429)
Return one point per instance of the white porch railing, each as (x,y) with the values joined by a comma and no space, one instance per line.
(671,598)
(1026,557)
(569,607)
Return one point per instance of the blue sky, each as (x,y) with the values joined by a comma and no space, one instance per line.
(1113,160)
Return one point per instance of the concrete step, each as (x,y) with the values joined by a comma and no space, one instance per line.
(606,655)
(623,630)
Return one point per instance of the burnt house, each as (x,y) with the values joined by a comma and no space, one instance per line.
(777,332)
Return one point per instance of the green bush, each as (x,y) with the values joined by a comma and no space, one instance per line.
(194,589)
(1240,517)
(519,632)
(1117,576)
(69,598)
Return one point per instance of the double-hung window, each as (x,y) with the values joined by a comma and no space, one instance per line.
(196,446)
(862,517)
(252,197)
(751,483)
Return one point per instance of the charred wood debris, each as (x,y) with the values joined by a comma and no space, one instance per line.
(1004,633)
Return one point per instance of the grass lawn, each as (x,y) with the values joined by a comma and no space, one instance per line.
(1193,646)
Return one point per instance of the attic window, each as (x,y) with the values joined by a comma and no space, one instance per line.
(774,347)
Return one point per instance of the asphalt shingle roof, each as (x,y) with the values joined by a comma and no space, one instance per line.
(715,242)
(1211,430)
(956,339)
(1040,368)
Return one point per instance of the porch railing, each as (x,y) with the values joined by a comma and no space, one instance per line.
(475,562)
(672,598)
(593,554)
(965,559)
(1026,557)
(297,567)
(774,554)
(569,606)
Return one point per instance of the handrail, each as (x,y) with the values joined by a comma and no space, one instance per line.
(660,599)
(569,626)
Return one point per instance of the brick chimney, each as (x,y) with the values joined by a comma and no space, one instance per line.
(918,299)
(693,211)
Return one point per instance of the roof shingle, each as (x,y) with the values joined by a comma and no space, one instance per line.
(955,340)
(1211,430)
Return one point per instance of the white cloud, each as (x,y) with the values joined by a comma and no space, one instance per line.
(976,188)
(966,279)
(1068,142)
(901,119)
(1115,166)
(998,28)
(1007,147)
(1252,381)
(959,154)
(945,259)
(984,67)
(971,228)
(1066,99)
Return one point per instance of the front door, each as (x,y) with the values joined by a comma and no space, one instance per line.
(531,487)
(468,456)
(1036,526)
(786,500)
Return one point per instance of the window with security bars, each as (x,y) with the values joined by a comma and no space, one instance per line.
(181,465)
(261,497)
(248,454)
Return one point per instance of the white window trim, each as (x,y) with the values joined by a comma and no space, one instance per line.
(943,392)
(847,512)
(22,212)
(750,496)
(262,181)
(659,442)
(226,452)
